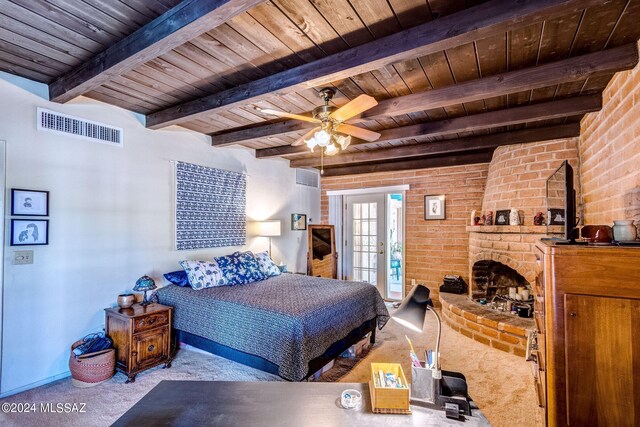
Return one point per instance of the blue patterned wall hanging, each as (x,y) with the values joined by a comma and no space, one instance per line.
(210,207)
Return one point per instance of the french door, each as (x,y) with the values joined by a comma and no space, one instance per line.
(365,240)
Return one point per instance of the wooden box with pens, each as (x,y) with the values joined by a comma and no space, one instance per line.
(389,389)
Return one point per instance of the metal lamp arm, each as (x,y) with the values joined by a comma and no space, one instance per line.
(437,372)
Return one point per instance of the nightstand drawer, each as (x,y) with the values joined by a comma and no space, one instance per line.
(150,321)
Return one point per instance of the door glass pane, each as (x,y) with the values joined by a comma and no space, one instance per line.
(364,240)
(394,242)
(357,243)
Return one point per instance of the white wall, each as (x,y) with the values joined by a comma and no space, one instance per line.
(111,221)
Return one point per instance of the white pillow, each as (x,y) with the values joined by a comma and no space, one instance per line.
(268,267)
(203,274)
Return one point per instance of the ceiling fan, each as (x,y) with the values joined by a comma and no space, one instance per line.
(332,132)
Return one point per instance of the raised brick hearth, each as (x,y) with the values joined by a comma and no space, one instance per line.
(505,332)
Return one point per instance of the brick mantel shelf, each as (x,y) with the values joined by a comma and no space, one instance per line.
(515,229)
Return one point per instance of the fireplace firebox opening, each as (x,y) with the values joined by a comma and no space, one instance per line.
(491,278)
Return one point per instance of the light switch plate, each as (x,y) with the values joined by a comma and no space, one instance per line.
(22,257)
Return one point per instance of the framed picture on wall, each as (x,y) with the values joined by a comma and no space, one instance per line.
(434,207)
(29,202)
(298,221)
(29,232)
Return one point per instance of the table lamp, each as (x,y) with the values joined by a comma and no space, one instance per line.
(269,228)
(144,284)
(411,314)
(429,386)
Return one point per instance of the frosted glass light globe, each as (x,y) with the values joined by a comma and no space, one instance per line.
(344,141)
(331,149)
(311,142)
(322,137)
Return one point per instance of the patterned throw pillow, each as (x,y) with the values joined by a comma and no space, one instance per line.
(240,268)
(268,267)
(203,274)
(178,278)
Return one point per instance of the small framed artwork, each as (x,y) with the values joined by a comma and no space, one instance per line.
(28,232)
(556,216)
(502,217)
(434,207)
(298,221)
(29,202)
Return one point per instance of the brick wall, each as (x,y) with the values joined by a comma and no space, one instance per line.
(610,153)
(436,247)
(518,174)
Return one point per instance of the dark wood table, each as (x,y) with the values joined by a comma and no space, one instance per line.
(222,403)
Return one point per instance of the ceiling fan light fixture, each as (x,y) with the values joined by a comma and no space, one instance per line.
(331,149)
(322,138)
(343,141)
(311,143)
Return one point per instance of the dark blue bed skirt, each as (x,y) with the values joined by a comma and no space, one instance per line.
(264,365)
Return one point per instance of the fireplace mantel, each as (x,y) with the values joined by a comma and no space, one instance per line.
(515,229)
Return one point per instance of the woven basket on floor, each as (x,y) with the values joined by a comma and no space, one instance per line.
(92,369)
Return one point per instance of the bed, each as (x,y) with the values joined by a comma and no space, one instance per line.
(289,325)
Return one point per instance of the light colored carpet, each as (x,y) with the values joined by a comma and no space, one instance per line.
(500,383)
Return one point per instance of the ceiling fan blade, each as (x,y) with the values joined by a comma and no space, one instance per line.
(300,141)
(360,133)
(354,107)
(287,115)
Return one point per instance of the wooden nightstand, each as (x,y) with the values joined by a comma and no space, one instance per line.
(141,337)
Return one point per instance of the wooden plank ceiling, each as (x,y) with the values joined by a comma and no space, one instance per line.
(531,76)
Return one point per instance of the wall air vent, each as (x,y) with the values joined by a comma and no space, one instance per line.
(80,128)
(308,178)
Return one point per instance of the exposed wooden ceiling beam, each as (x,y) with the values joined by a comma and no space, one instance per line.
(419,163)
(446,147)
(257,131)
(568,70)
(510,116)
(486,19)
(185,21)
(554,73)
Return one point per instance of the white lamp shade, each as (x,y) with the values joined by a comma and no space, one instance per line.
(269,228)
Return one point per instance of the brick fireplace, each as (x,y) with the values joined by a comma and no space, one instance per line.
(516,179)
(502,256)
(509,246)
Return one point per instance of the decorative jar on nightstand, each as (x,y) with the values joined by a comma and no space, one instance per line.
(141,336)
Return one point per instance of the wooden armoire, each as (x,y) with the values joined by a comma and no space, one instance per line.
(587,313)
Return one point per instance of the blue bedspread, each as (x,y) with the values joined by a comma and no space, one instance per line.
(288,320)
